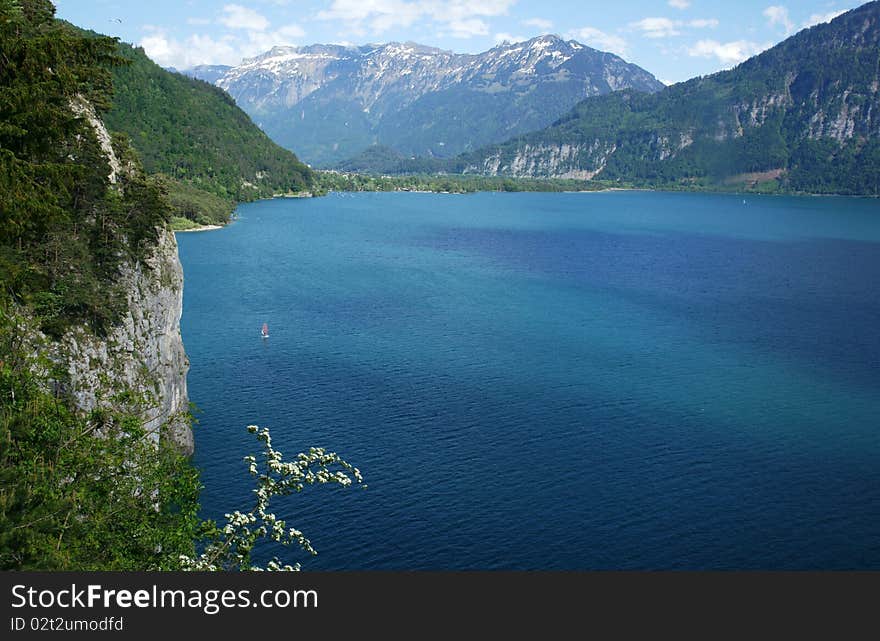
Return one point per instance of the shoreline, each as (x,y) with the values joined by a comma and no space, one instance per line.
(198,229)
(603,190)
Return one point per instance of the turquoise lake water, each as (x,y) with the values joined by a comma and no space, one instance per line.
(625,380)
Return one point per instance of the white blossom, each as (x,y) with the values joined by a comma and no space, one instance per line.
(230,545)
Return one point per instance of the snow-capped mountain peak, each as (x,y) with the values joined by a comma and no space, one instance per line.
(328,102)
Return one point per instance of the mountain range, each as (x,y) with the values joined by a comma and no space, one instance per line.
(330,102)
(803,116)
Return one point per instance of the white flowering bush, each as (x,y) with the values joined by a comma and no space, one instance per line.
(229,547)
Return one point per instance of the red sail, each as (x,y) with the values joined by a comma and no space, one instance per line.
(265,328)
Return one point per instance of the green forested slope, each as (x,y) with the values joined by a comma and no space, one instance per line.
(802,116)
(69,501)
(193,133)
(97,490)
(63,230)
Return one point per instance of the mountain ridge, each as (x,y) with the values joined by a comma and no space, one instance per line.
(802,116)
(330,102)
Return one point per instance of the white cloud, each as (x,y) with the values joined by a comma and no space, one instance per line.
(291,31)
(506,37)
(256,42)
(679,4)
(539,23)
(160,49)
(236,16)
(819,18)
(778,15)
(458,18)
(194,50)
(251,37)
(599,40)
(657,27)
(668,28)
(728,53)
(198,21)
(467,28)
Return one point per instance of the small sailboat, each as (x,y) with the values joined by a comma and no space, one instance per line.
(265,331)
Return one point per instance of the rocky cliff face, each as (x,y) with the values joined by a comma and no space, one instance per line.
(141,366)
(330,102)
(567,161)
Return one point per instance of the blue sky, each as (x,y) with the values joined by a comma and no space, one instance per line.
(673,39)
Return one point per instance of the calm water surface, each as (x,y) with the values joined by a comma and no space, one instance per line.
(562,381)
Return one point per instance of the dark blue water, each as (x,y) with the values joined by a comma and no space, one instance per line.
(561,381)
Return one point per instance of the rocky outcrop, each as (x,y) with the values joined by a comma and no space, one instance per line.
(141,365)
(851,114)
(569,161)
(84,109)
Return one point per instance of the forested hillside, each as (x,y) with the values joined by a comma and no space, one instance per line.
(69,219)
(94,415)
(191,132)
(76,211)
(802,116)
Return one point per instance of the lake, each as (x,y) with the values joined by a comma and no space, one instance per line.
(623,380)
